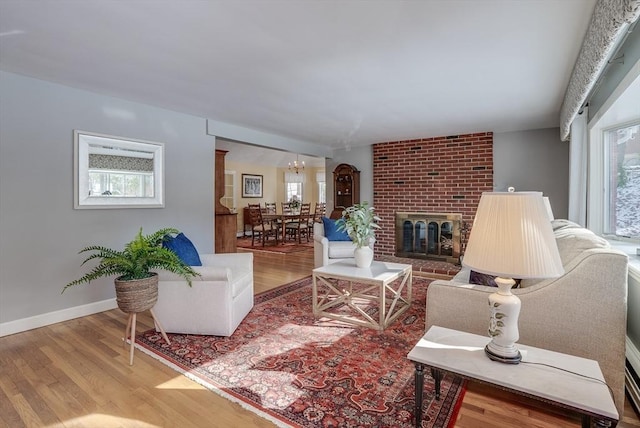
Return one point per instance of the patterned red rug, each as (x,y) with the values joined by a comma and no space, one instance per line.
(270,247)
(299,371)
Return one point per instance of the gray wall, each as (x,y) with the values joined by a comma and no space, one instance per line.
(535,161)
(40,232)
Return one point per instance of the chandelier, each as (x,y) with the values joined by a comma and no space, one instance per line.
(296,166)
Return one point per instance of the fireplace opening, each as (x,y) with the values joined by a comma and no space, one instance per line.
(434,236)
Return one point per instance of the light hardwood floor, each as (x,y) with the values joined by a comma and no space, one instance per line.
(76,374)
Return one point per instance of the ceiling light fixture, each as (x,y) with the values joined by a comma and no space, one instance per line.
(296,166)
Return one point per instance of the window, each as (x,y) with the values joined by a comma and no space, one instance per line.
(622,180)
(119,183)
(293,189)
(613,161)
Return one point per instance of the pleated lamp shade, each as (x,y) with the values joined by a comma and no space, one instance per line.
(512,237)
(547,204)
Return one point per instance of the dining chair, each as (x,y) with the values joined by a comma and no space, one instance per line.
(300,226)
(319,211)
(286,207)
(260,228)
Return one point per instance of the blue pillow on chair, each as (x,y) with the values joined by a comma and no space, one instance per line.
(331,230)
(184,249)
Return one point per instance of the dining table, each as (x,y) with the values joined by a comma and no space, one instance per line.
(283,218)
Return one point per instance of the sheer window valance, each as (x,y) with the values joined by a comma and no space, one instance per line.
(609,22)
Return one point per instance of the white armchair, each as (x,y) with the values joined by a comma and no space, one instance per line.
(217,301)
(326,252)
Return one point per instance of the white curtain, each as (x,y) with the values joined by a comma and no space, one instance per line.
(292,177)
(578,148)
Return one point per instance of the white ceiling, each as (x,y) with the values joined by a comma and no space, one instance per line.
(335,72)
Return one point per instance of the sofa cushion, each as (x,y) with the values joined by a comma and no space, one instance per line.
(341,249)
(572,242)
(560,224)
(331,231)
(184,248)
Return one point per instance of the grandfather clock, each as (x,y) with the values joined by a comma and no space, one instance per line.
(226,221)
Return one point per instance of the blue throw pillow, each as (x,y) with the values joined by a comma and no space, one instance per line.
(184,248)
(331,230)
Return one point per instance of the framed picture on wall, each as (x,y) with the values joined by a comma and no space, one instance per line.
(251,186)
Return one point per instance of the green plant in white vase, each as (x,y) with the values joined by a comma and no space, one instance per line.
(360,223)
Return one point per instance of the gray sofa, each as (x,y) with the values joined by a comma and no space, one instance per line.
(581,313)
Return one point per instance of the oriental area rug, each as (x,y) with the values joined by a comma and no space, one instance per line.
(298,371)
(270,247)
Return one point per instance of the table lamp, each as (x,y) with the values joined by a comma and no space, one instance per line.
(511,238)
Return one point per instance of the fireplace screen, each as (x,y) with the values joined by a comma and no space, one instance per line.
(428,236)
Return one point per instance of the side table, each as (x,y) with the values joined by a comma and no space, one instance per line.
(561,380)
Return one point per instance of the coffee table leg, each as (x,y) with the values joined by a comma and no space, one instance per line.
(437,377)
(419,382)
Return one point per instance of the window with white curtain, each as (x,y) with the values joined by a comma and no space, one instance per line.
(293,185)
(293,189)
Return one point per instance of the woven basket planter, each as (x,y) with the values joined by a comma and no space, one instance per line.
(137,295)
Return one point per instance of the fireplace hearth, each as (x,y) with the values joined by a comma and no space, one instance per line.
(435,236)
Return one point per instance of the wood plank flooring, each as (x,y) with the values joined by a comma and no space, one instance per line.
(76,374)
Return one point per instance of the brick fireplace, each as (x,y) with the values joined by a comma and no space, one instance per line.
(430,175)
(435,236)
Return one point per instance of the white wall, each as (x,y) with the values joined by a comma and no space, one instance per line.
(535,161)
(41,233)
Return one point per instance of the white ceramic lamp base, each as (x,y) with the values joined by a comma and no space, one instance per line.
(503,324)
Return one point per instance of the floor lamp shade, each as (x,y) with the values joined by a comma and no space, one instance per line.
(511,238)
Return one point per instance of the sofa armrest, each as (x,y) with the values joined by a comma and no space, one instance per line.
(458,306)
(215,267)
(207,273)
(321,239)
(230,260)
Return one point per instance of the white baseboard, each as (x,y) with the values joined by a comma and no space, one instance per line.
(633,356)
(49,318)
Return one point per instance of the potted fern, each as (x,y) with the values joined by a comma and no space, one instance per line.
(360,223)
(136,286)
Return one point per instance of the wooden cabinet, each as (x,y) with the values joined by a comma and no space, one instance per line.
(226,225)
(346,187)
(226,222)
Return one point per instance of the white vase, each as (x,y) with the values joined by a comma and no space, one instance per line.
(364,257)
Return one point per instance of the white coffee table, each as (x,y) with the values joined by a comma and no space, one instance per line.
(542,375)
(387,285)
